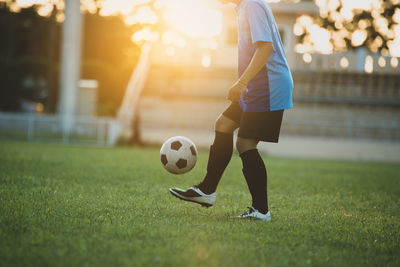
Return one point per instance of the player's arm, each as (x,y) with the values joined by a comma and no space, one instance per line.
(259,59)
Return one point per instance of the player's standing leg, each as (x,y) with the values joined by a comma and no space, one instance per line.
(255,174)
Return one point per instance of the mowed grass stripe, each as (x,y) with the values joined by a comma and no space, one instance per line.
(73,206)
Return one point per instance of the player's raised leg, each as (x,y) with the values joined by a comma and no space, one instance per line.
(219,157)
(220,153)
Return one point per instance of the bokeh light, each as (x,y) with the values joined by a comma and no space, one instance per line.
(344,62)
(341,13)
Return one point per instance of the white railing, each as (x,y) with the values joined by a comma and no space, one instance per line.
(359,61)
(33,127)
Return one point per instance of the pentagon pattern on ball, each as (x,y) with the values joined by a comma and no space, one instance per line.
(181,163)
(193,150)
(178,155)
(164,159)
(176,145)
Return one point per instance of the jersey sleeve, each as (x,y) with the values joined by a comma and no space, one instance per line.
(259,26)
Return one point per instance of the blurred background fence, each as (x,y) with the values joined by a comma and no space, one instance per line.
(48,128)
(338,104)
(327,103)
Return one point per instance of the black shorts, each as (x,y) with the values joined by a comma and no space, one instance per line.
(261,126)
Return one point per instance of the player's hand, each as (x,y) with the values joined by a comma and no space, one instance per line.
(236,91)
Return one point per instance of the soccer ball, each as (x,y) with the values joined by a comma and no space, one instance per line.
(178,155)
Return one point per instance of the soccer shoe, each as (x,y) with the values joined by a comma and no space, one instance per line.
(253,213)
(194,194)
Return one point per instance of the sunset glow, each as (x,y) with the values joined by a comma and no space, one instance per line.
(193,18)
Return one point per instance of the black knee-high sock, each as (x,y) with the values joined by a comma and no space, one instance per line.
(219,157)
(256,177)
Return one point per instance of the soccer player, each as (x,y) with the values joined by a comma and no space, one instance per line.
(259,97)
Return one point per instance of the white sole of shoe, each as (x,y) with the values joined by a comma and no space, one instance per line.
(175,194)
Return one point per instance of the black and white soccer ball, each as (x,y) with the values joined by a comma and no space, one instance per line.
(178,155)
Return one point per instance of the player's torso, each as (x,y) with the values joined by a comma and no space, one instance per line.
(274,81)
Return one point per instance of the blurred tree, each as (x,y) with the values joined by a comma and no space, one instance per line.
(347,25)
(30,51)
(24,52)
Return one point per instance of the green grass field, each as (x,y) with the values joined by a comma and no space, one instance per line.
(75,206)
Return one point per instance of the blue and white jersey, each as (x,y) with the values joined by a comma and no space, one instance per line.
(271,89)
